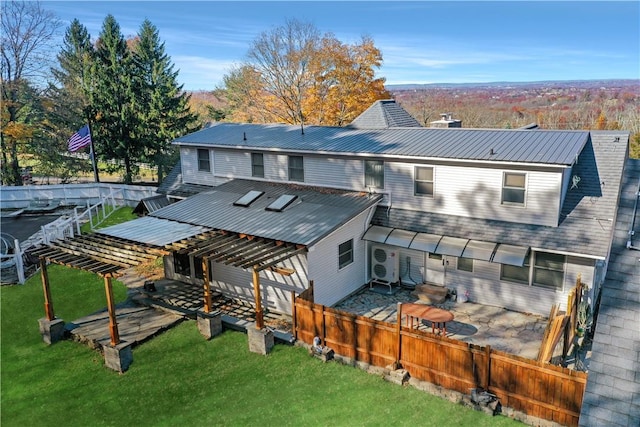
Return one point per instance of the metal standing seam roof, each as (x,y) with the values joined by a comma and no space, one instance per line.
(315,212)
(535,146)
(153,231)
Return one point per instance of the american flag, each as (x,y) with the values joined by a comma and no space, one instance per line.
(80,139)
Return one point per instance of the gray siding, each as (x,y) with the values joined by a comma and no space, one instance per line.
(332,284)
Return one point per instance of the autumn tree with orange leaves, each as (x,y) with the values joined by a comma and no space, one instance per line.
(295,75)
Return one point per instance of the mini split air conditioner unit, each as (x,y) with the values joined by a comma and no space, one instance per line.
(385,264)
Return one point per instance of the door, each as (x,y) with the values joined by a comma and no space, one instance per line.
(436,269)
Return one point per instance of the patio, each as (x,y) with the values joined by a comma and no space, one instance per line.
(504,330)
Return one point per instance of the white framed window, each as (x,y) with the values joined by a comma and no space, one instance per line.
(345,253)
(257,165)
(423,181)
(204,161)
(513,188)
(548,270)
(514,273)
(465,264)
(296,168)
(374,173)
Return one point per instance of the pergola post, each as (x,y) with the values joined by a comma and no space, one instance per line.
(113,324)
(51,329)
(261,340)
(256,291)
(48,305)
(207,285)
(209,324)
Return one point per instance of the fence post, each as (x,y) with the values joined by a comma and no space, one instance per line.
(399,337)
(324,326)
(487,352)
(18,262)
(90,216)
(76,219)
(293,315)
(45,238)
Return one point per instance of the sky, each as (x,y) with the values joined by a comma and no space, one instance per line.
(422,42)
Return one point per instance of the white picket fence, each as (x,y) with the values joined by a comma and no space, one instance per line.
(98,208)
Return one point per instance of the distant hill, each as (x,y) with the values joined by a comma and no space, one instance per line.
(584,84)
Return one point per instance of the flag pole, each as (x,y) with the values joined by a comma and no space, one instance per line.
(92,153)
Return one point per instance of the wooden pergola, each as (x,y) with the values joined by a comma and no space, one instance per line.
(109,256)
(96,253)
(242,251)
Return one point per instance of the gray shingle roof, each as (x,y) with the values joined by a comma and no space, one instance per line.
(314,214)
(613,388)
(384,114)
(586,218)
(549,147)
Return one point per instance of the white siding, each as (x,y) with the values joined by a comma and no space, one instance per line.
(332,284)
(190,172)
(237,283)
(476,192)
(232,163)
(485,287)
(334,172)
(275,288)
(471,191)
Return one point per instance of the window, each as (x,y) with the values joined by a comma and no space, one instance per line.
(423,180)
(296,168)
(345,253)
(548,270)
(257,165)
(204,162)
(513,188)
(374,173)
(197,267)
(516,274)
(465,264)
(181,264)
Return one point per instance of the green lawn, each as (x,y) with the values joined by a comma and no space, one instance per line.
(180,379)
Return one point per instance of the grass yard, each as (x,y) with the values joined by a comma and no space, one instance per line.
(179,378)
(118,216)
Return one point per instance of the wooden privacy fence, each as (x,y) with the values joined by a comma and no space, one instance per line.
(537,389)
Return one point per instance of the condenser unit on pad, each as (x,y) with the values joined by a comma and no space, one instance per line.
(385,264)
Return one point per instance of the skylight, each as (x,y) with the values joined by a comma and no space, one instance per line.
(281,202)
(248,198)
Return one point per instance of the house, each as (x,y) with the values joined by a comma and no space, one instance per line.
(510,216)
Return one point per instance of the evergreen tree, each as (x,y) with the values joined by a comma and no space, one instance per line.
(164,112)
(116,99)
(70,97)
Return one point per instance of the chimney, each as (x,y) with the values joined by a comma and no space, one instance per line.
(446,121)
